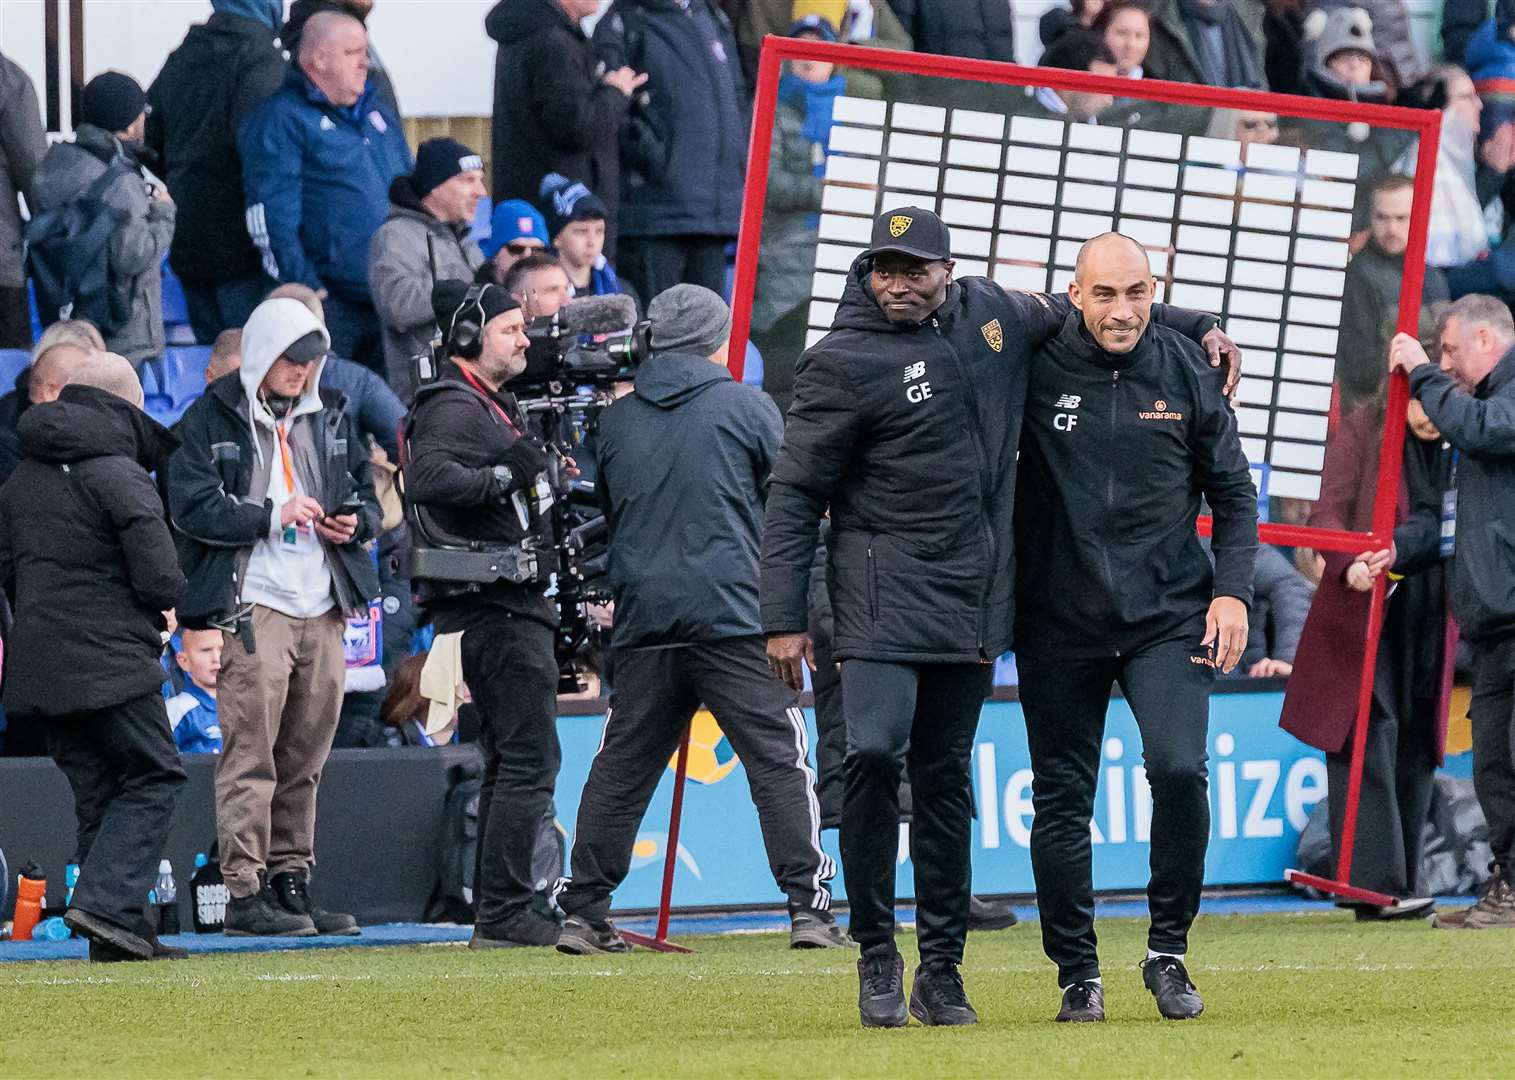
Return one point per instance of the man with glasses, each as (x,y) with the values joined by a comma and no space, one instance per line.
(905,425)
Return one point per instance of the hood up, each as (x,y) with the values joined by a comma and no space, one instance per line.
(86,422)
(269,13)
(511,21)
(670,379)
(274,326)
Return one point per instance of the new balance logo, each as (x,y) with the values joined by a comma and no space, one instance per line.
(1067,401)
(915,371)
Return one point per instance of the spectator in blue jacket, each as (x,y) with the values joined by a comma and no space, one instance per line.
(192,714)
(576,222)
(317,161)
(684,147)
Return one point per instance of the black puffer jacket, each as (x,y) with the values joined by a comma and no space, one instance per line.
(908,432)
(85,556)
(1117,452)
(551,112)
(683,465)
(220,73)
(980,29)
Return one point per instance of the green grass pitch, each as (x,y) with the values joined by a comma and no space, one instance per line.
(1310,995)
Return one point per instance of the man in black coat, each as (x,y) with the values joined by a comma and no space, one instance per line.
(474,478)
(905,423)
(684,145)
(555,109)
(1471,400)
(686,455)
(1126,430)
(222,70)
(272,502)
(87,562)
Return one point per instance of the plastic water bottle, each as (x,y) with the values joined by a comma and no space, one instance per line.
(31,895)
(70,882)
(208,896)
(167,899)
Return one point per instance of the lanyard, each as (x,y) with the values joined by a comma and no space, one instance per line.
(289,468)
(493,404)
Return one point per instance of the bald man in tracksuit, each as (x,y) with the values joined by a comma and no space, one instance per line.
(905,423)
(1126,429)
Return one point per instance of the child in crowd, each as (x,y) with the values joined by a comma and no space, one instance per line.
(192,713)
(516,230)
(576,224)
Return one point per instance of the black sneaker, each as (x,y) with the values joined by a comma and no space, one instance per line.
(581,937)
(810,928)
(102,952)
(1168,979)
(881,989)
(261,915)
(937,998)
(1083,1003)
(524,930)
(101,930)
(293,890)
(990,914)
(1417,907)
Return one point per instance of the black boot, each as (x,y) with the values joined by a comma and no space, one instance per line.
(261,915)
(292,887)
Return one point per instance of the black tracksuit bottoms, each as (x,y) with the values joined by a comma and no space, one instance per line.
(933,708)
(1492,712)
(657,692)
(124,770)
(512,672)
(1167,686)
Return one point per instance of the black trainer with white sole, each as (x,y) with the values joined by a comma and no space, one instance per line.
(1168,979)
(581,937)
(810,928)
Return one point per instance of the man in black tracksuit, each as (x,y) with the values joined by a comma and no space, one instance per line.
(472,473)
(905,422)
(683,465)
(1126,431)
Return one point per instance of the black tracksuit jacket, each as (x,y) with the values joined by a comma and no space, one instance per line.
(908,432)
(1116,454)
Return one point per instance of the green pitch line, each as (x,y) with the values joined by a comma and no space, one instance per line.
(1313,995)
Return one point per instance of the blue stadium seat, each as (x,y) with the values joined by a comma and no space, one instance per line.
(176,328)
(12,361)
(752,366)
(31,302)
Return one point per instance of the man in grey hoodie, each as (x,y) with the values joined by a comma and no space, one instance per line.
(114,119)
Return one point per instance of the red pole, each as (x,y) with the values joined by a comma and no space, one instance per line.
(671,856)
(1360,733)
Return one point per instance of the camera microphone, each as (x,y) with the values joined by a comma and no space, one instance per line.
(595,315)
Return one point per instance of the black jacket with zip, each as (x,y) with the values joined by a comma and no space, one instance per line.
(683,468)
(217,519)
(1116,454)
(908,432)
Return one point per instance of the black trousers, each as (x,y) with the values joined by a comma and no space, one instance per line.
(657,692)
(217,306)
(15,319)
(1492,713)
(512,673)
(933,710)
(1398,778)
(124,771)
(1167,686)
(653,264)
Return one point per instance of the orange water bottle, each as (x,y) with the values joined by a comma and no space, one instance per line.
(31,894)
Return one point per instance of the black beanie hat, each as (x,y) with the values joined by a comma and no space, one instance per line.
(439,160)
(565,201)
(447,297)
(112,101)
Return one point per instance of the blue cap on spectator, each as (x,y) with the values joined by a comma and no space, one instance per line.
(818,25)
(511,220)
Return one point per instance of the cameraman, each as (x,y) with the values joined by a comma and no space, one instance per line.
(683,467)
(474,474)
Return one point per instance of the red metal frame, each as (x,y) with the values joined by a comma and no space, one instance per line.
(1425,123)
(659,942)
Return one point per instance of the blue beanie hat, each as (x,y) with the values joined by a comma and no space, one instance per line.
(511,220)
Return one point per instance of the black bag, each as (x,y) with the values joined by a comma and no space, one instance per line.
(452,899)
(68,258)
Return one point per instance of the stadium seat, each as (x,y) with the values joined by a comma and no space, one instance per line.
(12,361)
(176,328)
(752,366)
(31,303)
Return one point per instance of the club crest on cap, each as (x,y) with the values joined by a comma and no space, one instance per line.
(993,334)
(898,225)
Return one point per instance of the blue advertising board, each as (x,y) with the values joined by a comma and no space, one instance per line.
(1263,785)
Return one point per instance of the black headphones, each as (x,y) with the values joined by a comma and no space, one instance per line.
(465,335)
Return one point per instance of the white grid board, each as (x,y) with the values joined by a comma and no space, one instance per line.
(1264,246)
